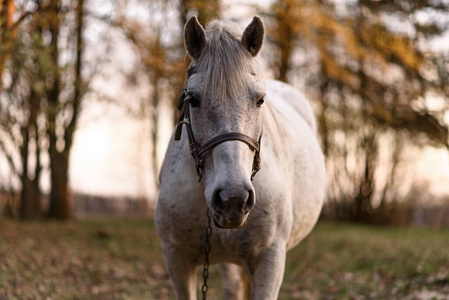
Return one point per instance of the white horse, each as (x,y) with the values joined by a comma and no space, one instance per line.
(225,117)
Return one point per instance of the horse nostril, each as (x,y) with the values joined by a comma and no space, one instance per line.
(249,204)
(217,202)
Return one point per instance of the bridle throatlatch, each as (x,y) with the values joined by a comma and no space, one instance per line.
(198,151)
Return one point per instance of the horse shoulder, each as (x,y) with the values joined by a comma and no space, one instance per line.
(284,97)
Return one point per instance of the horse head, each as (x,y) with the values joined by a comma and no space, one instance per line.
(225,95)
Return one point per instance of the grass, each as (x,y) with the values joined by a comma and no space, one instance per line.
(89,259)
(347,261)
(121,259)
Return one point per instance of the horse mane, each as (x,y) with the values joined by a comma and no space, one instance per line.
(225,62)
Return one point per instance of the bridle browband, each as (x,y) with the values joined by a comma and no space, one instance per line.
(198,151)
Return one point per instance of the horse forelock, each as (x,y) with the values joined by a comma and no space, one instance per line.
(225,64)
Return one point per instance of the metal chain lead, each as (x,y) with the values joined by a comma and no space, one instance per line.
(204,288)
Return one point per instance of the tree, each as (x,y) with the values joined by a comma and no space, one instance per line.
(41,103)
(19,110)
(371,80)
(62,114)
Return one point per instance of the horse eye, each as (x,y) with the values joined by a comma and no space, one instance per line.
(260,101)
(194,102)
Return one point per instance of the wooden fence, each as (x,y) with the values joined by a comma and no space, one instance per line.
(87,205)
(434,216)
(84,205)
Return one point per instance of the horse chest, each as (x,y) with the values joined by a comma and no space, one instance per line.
(184,226)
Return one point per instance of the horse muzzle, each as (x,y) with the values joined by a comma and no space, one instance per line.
(230,207)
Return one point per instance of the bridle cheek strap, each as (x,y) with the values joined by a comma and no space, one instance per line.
(197,152)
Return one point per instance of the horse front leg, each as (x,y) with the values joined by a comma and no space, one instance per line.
(182,273)
(267,272)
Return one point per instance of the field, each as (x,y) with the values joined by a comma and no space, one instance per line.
(121,259)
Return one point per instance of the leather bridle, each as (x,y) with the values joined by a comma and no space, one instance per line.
(196,150)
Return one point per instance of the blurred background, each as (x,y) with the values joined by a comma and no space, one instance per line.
(88,92)
(87,106)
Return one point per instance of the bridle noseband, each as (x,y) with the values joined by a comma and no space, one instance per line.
(198,151)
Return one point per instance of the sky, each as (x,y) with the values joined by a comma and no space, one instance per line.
(108,157)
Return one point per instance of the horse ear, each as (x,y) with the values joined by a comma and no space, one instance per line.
(194,38)
(252,38)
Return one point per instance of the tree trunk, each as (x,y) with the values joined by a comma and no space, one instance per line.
(363,200)
(25,211)
(323,126)
(155,132)
(26,199)
(60,207)
(286,48)
(9,204)
(284,38)
(59,200)
(37,194)
(30,196)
